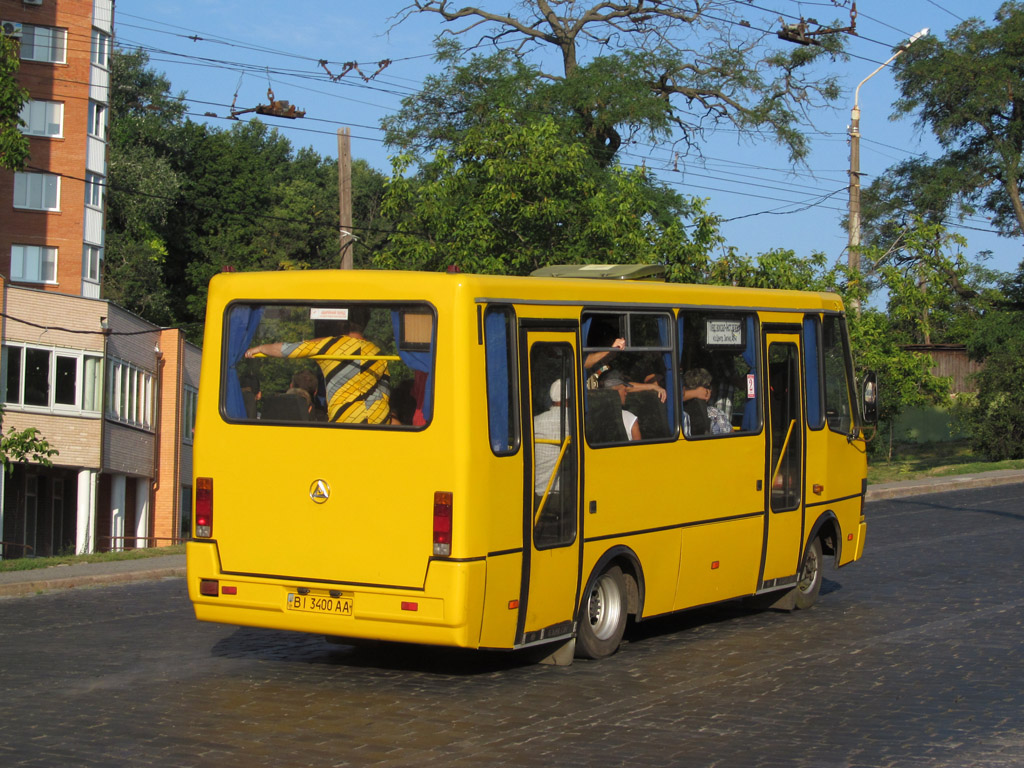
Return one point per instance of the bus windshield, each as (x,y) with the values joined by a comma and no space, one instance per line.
(329,363)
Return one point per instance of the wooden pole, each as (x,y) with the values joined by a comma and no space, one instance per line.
(345,197)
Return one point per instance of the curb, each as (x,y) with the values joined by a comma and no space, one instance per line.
(903,488)
(22,588)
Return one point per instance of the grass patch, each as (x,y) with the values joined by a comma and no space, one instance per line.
(912,461)
(30,563)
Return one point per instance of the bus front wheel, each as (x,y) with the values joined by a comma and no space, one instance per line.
(808,583)
(602,619)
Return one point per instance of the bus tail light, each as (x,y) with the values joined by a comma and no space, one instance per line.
(204,507)
(442,523)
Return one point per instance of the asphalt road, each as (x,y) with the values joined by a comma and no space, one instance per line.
(910,658)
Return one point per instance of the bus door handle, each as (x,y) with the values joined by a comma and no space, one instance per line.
(592,508)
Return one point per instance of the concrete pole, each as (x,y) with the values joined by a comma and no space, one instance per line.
(345,197)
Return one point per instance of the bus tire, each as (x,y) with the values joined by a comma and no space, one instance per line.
(808,583)
(602,616)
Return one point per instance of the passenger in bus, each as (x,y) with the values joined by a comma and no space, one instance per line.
(357,390)
(304,384)
(403,403)
(549,425)
(699,416)
(613,379)
(251,394)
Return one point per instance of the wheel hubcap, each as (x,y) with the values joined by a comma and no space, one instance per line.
(604,607)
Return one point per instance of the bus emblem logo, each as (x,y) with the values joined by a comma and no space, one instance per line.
(319,491)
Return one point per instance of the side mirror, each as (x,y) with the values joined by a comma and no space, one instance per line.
(869,401)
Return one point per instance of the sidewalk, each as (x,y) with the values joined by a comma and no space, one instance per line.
(17,583)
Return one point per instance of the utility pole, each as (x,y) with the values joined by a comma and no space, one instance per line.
(853,247)
(345,197)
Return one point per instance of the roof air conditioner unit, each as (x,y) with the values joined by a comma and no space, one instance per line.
(12,28)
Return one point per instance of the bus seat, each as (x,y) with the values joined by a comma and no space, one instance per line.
(285,408)
(604,417)
(650,412)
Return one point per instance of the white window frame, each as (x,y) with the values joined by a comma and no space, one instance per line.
(189,401)
(97,120)
(34,264)
(86,396)
(100,53)
(43,118)
(92,260)
(129,394)
(95,184)
(46,44)
(37,191)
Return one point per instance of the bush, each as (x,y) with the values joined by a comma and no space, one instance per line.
(997,418)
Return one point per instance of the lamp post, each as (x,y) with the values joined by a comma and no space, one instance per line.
(853,248)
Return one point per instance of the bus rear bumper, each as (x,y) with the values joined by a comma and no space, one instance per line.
(447,611)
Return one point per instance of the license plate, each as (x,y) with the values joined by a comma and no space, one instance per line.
(335,606)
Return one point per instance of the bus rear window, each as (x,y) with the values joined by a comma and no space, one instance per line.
(341,363)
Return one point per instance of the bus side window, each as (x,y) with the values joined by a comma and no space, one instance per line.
(838,382)
(502,396)
(718,363)
(628,354)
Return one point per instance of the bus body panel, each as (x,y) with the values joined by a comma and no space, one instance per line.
(445,612)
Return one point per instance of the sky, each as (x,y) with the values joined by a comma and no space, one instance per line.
(224,52)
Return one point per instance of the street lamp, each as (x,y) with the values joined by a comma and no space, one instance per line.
(853,250)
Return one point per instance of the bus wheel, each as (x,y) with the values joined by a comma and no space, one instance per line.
(602,620)
(809,580)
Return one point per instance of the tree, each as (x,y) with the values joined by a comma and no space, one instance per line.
(654,67)
(24,445)
(996,416)
(509,198)
(969,90)
(13,143)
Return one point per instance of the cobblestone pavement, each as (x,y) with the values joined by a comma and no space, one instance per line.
(910,658)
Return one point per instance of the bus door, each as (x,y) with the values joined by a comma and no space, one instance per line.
(551,542)
(784,457)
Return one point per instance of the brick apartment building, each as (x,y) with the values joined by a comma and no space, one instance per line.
(114,394)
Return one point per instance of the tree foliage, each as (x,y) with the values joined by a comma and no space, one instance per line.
(969,91)
(510,197)
(24,445)
(13,143)
(658,67)
(186,201)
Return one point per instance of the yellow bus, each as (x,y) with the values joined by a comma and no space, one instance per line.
(503,462)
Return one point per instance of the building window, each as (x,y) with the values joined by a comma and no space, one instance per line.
(97,120)
(43,118)
(130,394)
(44,377)
(44,44)
(100,48)
(91,258)
(37,191)
(189,400)
(94,184)
(33,264)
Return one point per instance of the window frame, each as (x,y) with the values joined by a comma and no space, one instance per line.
(99,52)
(751,330)
(54,357)
(95,185)
(96,125)
(19,273)
(130,394)
(23,197)
(189,403)
(56,44)
(627,320)
(48,107)
(498,354)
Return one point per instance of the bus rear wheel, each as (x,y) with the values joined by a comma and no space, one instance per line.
(808,583)
(602,618)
